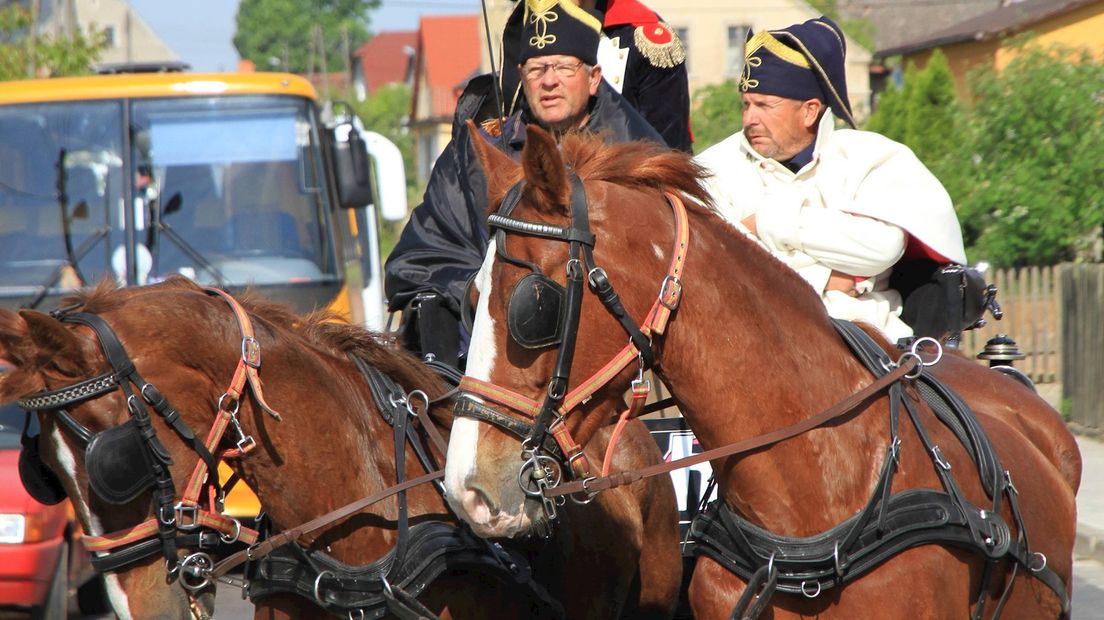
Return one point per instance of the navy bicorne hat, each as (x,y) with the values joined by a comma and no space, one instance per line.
(559,27)
(804,61)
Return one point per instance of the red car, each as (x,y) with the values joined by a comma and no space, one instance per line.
(41,557)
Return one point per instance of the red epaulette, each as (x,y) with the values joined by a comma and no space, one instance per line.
(656,40)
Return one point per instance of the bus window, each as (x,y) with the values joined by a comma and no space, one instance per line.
(233,199)
(59,186)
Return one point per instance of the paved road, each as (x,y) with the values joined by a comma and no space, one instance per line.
(1088,590)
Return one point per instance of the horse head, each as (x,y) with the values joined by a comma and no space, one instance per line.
(140,391)
(111,457)
(537,366)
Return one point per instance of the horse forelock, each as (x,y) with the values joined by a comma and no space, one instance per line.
(641,164)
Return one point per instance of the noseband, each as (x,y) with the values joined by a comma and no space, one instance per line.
(541,313)
(126,460)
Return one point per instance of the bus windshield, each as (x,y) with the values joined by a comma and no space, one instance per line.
(225,190)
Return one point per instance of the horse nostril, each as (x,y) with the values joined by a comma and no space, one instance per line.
(478,505)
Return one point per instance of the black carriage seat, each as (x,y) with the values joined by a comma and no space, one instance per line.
(941,300)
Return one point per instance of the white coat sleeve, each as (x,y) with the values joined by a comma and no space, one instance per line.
(792,220)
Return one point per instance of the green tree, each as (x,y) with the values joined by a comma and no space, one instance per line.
(717,114)
(890,116)
(1037,132)
(932,111)
(280,33)
(26,55)
(861,30)
(386,112)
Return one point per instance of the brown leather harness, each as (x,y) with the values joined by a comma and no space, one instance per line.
(177,523)
(961,523)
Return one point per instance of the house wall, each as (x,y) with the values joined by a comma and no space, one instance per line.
(130,38)
(1080,28)
(1083,27)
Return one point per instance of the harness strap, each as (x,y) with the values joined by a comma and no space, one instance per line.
(471,408)
(202,518)
(436,548)
(640,392)
(250,361)
(151,546)
(83,390)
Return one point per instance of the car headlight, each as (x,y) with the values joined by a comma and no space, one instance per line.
(12,528)
(23,529)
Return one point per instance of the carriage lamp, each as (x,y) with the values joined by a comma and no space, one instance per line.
(1001,350)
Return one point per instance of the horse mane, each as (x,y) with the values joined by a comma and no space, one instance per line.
(641,164)
(322,328)
(647,165)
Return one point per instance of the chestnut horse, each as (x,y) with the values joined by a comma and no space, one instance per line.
(750,349)
(329,447)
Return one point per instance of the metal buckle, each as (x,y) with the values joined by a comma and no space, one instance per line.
(232,538)
(671,286)
(937,454)
(187,517)
(251,351)
(317,584)
(587,495)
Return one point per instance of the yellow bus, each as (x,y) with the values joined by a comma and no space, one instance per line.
(232,179)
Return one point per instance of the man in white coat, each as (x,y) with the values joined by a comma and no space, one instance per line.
(839,206)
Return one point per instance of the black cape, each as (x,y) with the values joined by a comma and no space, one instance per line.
(445,241)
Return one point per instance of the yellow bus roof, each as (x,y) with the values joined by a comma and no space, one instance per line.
(147,85)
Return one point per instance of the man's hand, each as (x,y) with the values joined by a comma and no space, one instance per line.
(838,281)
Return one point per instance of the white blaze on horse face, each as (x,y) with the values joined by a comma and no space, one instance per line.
(67,459)
(68,463)
(115,593)
(464,438)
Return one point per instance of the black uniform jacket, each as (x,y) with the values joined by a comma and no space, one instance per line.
(444,242)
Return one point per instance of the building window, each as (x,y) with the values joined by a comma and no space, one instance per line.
(684,35)
(734,53)
(109,36)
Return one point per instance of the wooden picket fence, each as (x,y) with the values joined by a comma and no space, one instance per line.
(1082,294)
(1031,300)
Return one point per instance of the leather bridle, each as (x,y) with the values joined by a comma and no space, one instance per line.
(543,461)
(183,523)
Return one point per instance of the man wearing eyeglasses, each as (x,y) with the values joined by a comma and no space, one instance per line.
(445,240)
(642,59)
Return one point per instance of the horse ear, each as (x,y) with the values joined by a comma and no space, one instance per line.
(500,171)
(545,173)
(15,349)
(53,343)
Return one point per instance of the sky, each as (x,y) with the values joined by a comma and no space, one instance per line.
(201,32)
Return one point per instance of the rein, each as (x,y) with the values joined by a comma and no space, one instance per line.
(259,550)
(906,369)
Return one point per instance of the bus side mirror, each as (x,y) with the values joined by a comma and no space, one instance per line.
(356,186)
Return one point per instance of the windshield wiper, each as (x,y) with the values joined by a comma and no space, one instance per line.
(73,258)
(157,225)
